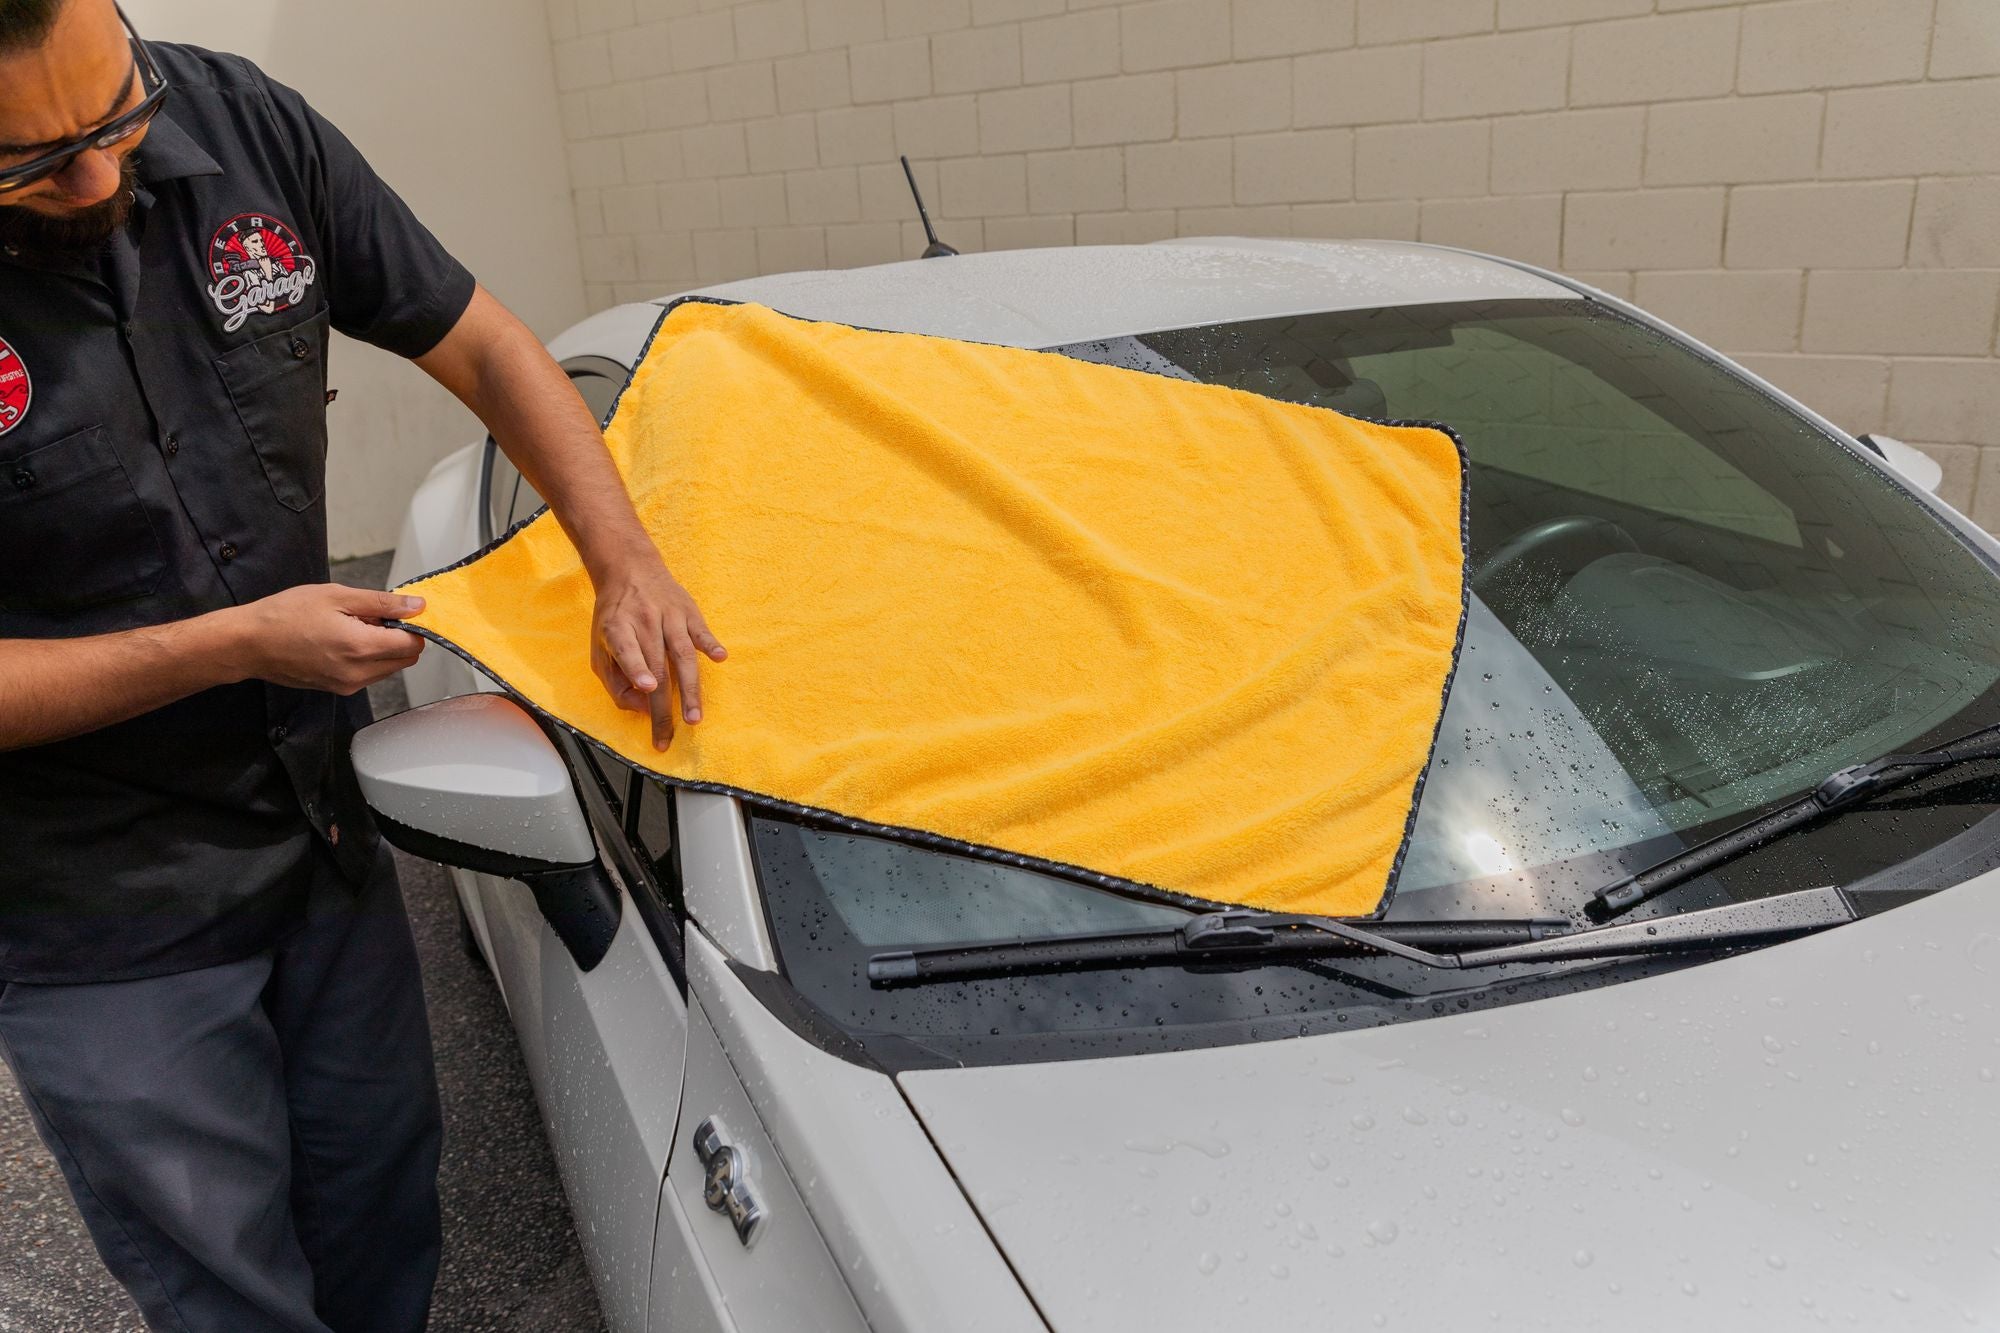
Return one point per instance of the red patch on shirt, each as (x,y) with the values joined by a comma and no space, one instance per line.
(259,266)
(16,389)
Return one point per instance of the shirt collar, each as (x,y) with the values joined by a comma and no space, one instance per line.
(169,153)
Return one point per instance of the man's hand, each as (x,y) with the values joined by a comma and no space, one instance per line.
(325,636)
(646,626)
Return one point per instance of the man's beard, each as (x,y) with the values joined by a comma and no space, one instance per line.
(74,235)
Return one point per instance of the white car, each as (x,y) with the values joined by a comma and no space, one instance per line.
(797,1079)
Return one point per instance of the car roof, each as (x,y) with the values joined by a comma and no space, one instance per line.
(1051,297)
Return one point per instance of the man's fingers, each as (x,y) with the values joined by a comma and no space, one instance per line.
(650,679)
(369,604)
(623,646)
(687,675)
(707,642)
(662,703)
(381,645)
(354,681)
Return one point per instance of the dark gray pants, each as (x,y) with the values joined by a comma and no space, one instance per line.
(255,1146)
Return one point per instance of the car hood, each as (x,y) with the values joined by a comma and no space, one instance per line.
(1792,1137)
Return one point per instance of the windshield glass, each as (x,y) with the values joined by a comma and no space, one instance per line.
(1688,606)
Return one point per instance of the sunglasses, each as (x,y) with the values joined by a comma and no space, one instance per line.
(107,135)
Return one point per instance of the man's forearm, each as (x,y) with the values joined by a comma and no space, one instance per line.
(317,636)
(52,689)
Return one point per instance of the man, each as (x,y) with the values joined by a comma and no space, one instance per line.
(208,992)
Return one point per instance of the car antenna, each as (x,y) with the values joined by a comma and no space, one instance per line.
(936,249)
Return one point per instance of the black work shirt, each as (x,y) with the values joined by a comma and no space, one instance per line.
(163,454)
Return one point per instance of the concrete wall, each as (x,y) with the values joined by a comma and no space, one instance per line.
(454,102)
(1812,185)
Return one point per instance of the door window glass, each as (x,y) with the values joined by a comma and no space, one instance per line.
(653,822)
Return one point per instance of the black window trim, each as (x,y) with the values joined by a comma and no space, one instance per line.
(672,897)
(604,808)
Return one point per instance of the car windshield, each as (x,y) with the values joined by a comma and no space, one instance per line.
(1689,604)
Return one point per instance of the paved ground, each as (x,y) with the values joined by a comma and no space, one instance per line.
(511,1262)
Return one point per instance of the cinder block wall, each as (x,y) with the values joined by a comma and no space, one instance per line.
(1810,185)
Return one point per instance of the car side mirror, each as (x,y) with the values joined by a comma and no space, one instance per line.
(1919,467)
(474,782)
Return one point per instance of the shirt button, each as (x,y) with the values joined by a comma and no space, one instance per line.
(23,478)
(278,735)
(301,349)
(333,835)
(128,326)
(228,551)
(173,445)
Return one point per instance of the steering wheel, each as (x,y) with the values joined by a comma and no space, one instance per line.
(1568,543)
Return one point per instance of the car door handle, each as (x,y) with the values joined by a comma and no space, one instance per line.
(726,1180)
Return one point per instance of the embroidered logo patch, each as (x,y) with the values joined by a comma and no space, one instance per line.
(258,267)
(16,389)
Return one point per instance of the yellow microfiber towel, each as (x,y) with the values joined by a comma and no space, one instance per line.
(1171,634)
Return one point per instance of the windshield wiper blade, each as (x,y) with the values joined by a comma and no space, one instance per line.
(1841,791)
(1208,937)
(1453,945)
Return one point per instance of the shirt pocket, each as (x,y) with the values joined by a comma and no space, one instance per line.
(73,532)
(278,386)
